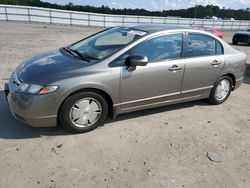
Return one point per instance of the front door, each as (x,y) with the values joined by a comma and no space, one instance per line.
(158,81)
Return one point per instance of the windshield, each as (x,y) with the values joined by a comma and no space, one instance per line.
(106,43)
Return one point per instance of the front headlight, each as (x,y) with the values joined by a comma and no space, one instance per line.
(36,89)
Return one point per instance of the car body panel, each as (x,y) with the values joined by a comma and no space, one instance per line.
(150,83)
(203,71)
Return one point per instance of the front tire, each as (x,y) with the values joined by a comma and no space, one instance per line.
(235,42)
(83,112)
(221,90)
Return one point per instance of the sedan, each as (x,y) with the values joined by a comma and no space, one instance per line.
(123,69)
(212,30)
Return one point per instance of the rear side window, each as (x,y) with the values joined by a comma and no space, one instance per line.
(202,45)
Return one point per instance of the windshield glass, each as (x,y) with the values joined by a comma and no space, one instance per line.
(106,43)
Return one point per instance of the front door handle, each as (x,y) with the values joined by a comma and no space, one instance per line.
(175,68)
(215,62)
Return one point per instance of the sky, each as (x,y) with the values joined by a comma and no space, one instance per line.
(158,4)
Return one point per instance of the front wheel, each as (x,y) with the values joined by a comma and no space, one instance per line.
(83,112)
(235,42)
(221,90)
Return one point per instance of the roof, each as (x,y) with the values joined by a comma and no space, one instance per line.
(151,28)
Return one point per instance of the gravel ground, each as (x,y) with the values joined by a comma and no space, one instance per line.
(163,147)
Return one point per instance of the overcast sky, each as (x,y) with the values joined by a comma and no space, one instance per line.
(157,4)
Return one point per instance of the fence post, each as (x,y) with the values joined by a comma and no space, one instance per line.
(88,20)
(151,20)
(138,19)
(6,14)
(239,25)
(50,17)
(70,18)
(123,20)
(29,14)
(104,20)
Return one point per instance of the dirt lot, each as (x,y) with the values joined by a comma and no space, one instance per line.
(164,147)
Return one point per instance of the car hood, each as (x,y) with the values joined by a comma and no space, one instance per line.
(243,32)
(49,67)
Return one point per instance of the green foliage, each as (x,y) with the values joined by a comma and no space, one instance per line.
(202,11)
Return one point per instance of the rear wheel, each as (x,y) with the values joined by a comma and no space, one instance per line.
(83,112)
(221,91)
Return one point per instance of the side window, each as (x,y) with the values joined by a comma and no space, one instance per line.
(201,45)
(160,48)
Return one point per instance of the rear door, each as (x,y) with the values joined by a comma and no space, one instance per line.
(204,62)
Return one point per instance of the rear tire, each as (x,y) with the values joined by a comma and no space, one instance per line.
(83,112)
(221,90)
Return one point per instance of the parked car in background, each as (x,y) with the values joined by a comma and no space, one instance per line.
(123,69)
(242,37)
(212,30)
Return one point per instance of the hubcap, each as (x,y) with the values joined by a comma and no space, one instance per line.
(85,112)
(222,89)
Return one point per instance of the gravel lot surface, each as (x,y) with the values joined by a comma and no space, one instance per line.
(163,147)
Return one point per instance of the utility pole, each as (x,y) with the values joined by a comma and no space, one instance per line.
(195,13)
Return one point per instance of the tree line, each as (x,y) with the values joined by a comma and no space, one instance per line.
(198,11)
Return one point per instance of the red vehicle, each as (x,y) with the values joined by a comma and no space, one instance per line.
(212,30)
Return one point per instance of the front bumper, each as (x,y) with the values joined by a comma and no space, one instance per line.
(35,110)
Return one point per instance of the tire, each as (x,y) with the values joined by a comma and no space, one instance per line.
(235,42)
(213,98)
(85,105)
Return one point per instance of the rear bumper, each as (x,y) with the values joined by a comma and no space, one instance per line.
(34,110)
(238,83)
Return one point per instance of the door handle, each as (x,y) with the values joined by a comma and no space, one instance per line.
(215,62)
(175,68)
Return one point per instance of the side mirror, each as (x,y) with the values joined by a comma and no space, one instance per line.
(138,60)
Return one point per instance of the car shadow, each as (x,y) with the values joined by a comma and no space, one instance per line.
(246,79)
(10,128)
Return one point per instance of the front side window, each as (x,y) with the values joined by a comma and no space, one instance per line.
(202,45)
(106,43)
(160,48)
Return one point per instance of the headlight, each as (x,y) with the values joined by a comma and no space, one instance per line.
(35,89)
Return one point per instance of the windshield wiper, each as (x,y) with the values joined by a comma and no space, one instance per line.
(67,49)
(76,53)
(85,58)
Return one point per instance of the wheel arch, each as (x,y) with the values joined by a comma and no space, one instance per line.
(231,75)
(96,90)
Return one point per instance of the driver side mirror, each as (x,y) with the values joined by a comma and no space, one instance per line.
(136,60)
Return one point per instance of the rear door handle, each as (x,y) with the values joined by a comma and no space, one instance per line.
(175,68)
(215,62)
